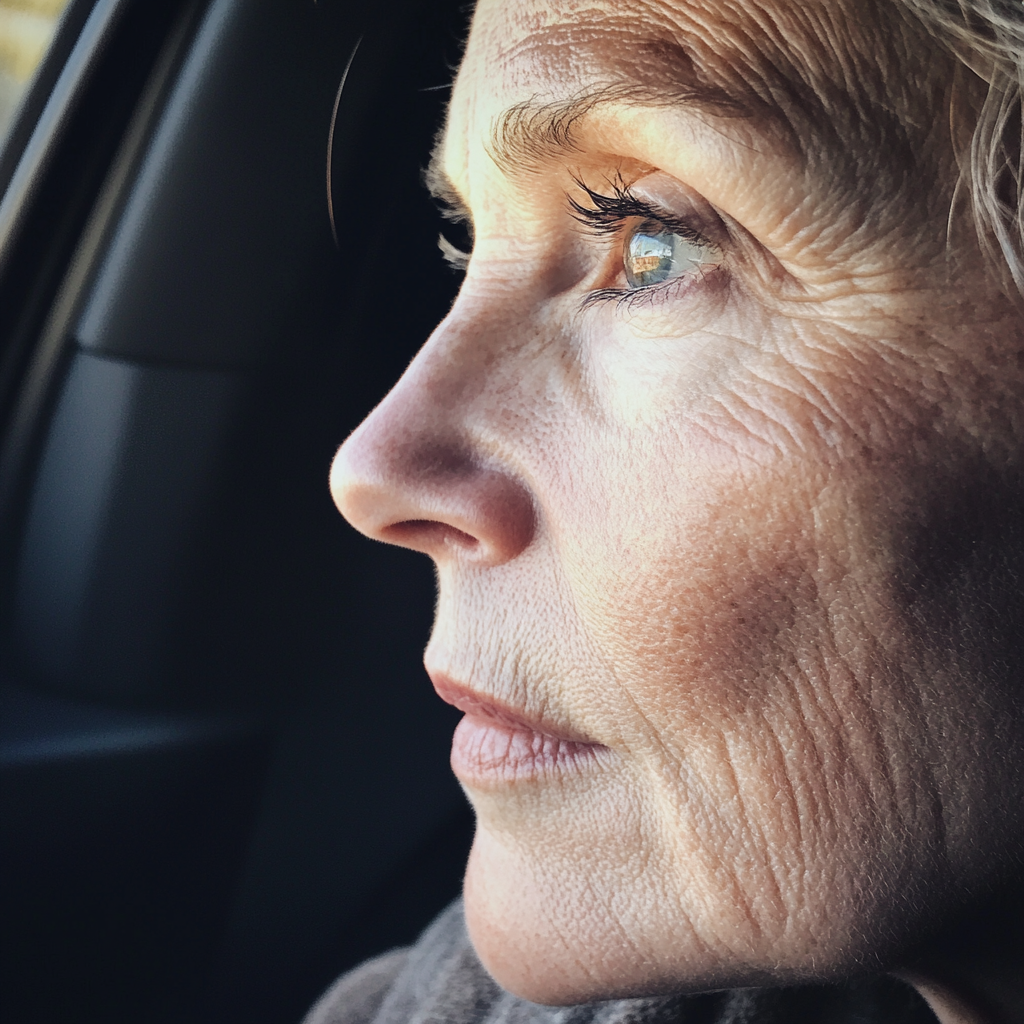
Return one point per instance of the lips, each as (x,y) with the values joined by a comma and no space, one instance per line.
(495,743)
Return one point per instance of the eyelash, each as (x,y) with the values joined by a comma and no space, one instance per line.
(610,212)
(456,258)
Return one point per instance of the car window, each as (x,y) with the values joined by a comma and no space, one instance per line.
(26,30)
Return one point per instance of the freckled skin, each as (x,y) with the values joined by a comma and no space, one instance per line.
(754,536)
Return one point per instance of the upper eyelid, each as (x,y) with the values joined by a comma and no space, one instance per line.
(611,211)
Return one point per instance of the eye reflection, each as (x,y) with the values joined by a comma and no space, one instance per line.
(655,254)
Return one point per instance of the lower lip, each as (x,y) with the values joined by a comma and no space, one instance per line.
(485,751)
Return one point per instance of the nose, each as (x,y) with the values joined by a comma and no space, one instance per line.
(416,474)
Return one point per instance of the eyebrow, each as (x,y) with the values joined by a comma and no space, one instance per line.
(531,133)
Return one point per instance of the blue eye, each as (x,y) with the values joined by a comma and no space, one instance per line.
(654,254)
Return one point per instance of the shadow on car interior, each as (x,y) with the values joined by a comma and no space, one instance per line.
(223,773)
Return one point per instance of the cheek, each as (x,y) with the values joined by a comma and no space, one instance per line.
(644,362)
(724,505)
(715,594)
(689,565)
(752,636)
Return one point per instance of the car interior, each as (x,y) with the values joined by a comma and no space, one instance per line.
(223,772)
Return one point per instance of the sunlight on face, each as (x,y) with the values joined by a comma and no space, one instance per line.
(696,452)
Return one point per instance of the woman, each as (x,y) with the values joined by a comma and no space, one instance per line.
(718,455)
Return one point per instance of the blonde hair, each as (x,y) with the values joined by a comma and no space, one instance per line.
(987,37)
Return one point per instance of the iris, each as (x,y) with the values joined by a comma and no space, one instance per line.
(655,254)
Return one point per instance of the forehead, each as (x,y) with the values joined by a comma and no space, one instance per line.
(854,88)
(762,51)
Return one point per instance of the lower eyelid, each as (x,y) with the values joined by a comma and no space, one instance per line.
(631,298)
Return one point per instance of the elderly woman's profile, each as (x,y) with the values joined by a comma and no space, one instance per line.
(720,458)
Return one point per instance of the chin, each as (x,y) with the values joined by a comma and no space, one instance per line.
(527,928)
(558,931)
(521,949)
(548,936)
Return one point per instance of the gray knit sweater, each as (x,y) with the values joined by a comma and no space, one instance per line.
(441,981)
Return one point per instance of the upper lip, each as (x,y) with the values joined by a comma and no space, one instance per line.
(483,706)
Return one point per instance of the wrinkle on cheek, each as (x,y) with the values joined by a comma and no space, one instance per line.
(728,631)
(759,386)
(823,396)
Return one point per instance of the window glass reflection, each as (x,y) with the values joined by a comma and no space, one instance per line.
(26,28)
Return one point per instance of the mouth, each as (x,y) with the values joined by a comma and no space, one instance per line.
(495,743)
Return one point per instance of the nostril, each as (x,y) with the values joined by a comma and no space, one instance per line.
(417,532)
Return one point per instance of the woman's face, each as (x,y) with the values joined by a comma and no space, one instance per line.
(716,456)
